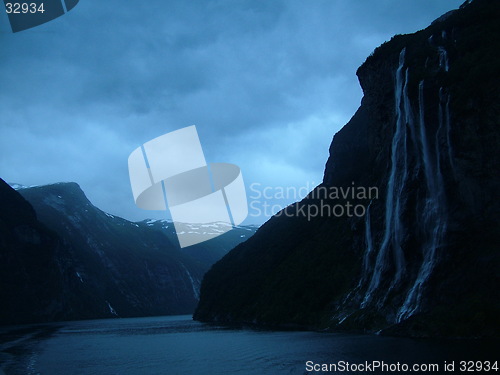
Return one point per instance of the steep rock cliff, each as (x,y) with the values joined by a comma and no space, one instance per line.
(422,257)
(29,270)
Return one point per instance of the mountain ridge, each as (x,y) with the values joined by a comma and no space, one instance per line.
(97,265)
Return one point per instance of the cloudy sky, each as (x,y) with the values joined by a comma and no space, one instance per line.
(266,82)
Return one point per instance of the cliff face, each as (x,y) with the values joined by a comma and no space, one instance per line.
(29,272)
(64,259)
(422,258)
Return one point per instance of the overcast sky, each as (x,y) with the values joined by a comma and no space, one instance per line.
(266,82)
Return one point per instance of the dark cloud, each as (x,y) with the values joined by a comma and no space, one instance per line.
(267,83)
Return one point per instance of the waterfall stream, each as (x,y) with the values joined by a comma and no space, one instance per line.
(433,214)
(443,59)
(432,147)
(444,107)
(393,232)
(369,244)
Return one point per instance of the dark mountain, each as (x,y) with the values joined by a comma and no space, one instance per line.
(63,259)
(403,234)
(29,269)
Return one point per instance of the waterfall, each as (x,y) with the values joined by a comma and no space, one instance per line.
(443,54)
(432,150)
(444,107)
(195,284)
(409,118)
(434,216)
(426,156)
(443,59)
(393,233)
(404,117)
(444,104)
(369,245)
(438,137)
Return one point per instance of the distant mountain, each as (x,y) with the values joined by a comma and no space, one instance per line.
(210,251)
(421,256)
(69,260)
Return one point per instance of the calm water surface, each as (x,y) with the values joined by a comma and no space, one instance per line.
(178,345)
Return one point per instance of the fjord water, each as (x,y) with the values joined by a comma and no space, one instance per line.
(178,345)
